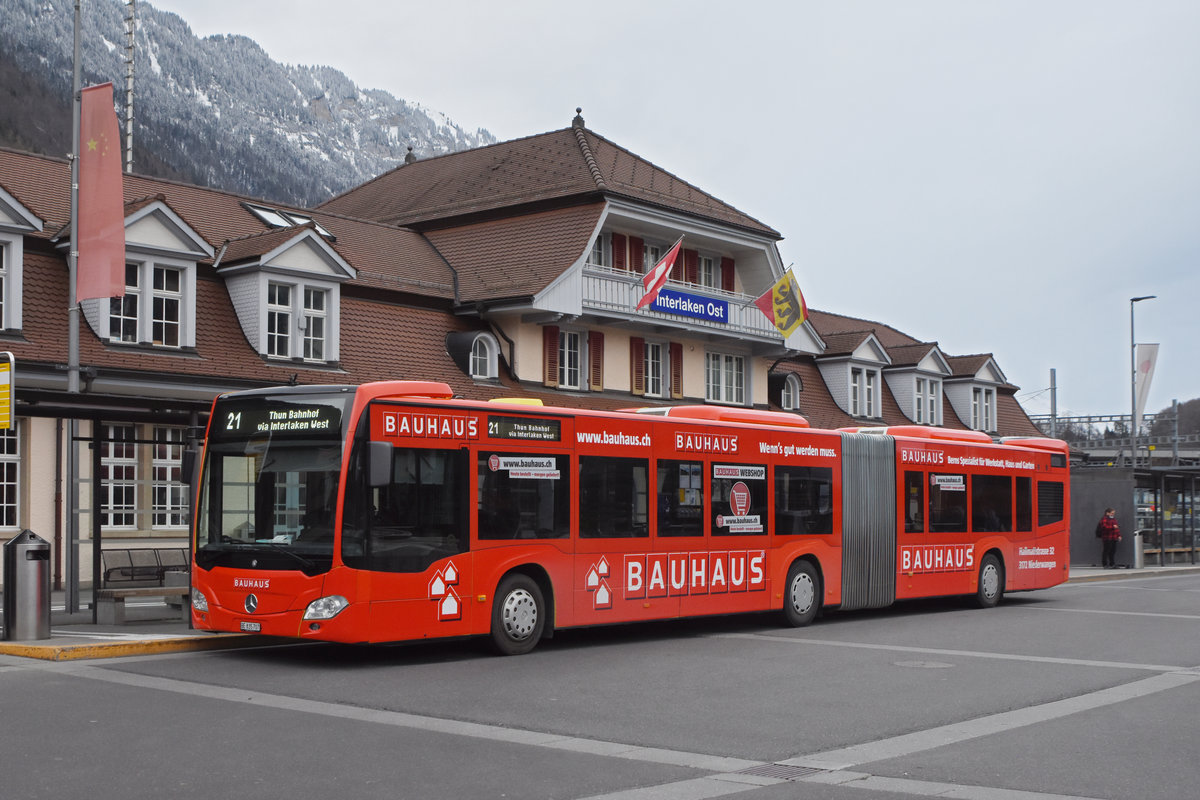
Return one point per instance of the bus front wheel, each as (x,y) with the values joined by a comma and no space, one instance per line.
(802,595)
(991,582)
(518,615)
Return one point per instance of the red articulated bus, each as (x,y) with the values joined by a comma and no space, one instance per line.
(393,511)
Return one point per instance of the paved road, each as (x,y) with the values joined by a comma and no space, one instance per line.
(1087,690)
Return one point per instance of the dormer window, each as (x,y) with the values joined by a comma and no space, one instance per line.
(790,398)
(155,317)
(983,405)
(307,338)
(926,401)
(864,392)
(484,357)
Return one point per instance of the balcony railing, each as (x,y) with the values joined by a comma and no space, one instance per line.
(618,291)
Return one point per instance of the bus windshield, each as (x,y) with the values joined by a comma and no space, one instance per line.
(270,478)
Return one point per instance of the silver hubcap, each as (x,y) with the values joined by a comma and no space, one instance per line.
(803,594)
(990,580)
(519,614)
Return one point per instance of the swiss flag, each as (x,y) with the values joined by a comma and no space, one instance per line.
(654,280)
(100,268)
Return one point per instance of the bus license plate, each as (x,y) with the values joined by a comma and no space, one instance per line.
(251,627)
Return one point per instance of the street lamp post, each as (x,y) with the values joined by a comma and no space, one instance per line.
(1133,426)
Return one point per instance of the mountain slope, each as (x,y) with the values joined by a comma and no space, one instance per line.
(215,111)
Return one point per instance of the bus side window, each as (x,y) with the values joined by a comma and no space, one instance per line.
(991,503)
(947,503)
(1024,504)
(739,499)
(680,498)
(613,497)
(914,502)
(803,501)
(523,496)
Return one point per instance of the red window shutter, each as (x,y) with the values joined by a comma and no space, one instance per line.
(596,357)
(636,255)
(550,356)
(691,266)
(618,251)
(637,366)
(727,274)
(676,355)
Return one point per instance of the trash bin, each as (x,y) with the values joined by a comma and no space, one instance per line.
(1139,554)
(26,587)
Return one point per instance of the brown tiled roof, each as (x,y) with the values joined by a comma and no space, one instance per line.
(568,165)
(826,323)
(385,257)
(910,355)
(1011,419)
(843,344)
(961,366)
(516,256)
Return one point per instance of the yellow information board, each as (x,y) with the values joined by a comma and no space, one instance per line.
(6,390)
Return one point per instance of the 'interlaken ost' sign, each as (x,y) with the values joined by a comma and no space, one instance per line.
(670,301)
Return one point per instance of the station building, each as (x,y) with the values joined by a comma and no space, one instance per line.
(509,270)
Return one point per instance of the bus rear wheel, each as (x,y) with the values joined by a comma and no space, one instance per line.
(802,595)
(991,582)
(518,615)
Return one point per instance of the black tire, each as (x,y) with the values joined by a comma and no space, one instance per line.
(801,595)
(518,615)
(990,588)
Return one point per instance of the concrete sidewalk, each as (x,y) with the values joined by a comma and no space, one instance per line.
(153,628)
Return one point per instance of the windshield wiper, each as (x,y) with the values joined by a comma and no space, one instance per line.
(230,545)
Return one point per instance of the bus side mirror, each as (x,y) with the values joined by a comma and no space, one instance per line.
(379,464)
(188,468)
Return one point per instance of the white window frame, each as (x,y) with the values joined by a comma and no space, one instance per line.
(708,272)
(651,253)
(314,324)
(119,495)
(484,358)
(864,392)
(168,492)
(927,401)
(279,319)
(983,409)
(140,321)
(599,255)
(725,378)
(10,478)
(789,398)
(657,369)
(160,298)
(570,360)
(12,255)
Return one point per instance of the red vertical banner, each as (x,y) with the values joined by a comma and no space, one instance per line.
(100,269)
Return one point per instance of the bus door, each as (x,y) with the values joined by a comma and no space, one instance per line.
(936,556)
(730,574)
(408,527)
(614,541)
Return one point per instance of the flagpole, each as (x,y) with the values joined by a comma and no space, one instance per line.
(72,465)
(73,256)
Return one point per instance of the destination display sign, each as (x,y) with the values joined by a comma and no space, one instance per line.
(670,301)
(539,430)
(251,418)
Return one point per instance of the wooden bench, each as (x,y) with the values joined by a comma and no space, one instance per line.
(110,603)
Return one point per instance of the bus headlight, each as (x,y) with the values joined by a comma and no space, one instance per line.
(199,601)
(326,607)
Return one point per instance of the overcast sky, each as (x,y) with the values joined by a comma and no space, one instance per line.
(998,176)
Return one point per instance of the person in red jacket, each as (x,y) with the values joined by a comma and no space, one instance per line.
(1109,533)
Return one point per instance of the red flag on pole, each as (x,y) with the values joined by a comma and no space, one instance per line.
(654,280)
(100,268)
